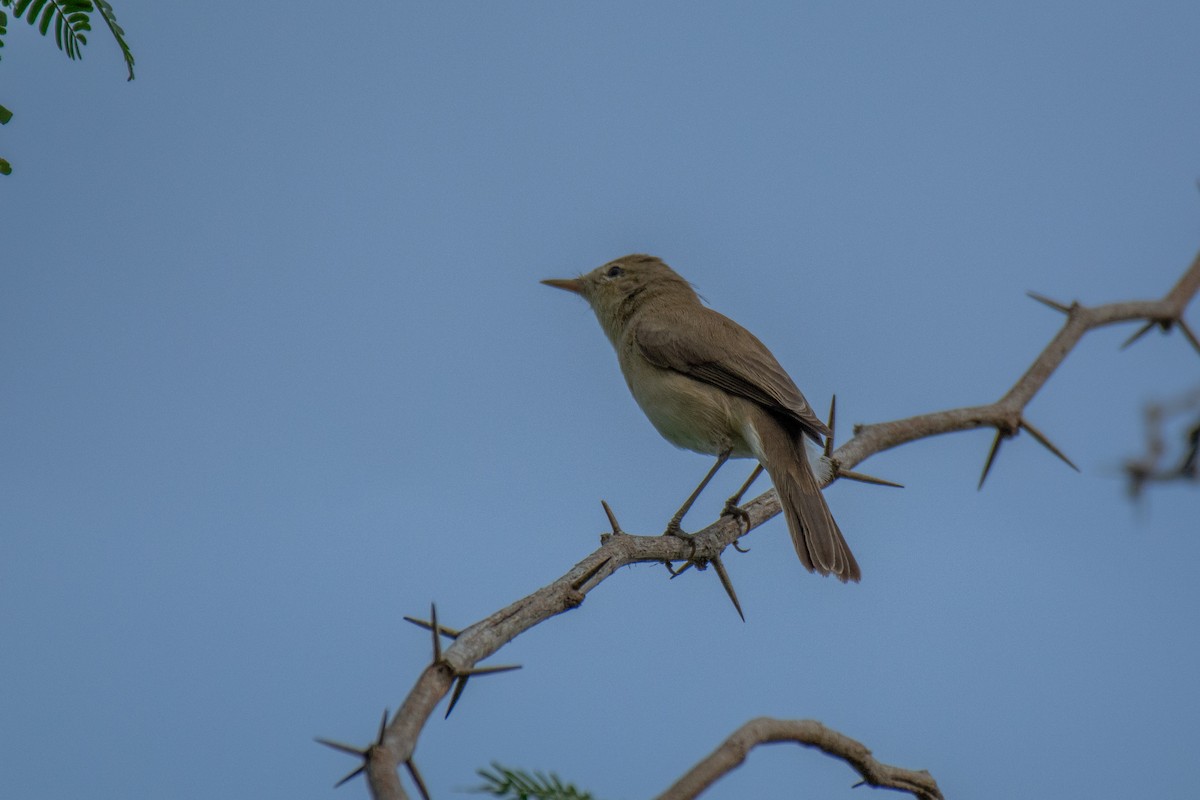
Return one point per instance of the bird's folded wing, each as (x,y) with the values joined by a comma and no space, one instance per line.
(692,344)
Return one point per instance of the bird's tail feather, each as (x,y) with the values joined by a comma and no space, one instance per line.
(815,534)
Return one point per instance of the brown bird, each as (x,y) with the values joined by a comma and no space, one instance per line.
(709,385)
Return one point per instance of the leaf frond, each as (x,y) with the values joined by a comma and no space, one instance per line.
(517,784)
(69,18)
(110,19)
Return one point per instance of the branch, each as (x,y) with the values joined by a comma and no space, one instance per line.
(1148,468)
(1006,414)
(807,733)
(618,549)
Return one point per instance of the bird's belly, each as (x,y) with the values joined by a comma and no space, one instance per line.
(694,415)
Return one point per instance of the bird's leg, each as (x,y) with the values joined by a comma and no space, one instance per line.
(731,508)
(674,526)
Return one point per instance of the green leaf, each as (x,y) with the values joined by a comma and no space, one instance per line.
(110,19)
(34,8)
(5,115)
(517,784)
(5,167)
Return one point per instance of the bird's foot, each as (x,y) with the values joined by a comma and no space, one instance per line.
(731,509)
(676,530)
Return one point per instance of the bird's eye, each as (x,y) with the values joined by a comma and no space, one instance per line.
(614,271)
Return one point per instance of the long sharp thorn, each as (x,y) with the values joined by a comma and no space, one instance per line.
(832,416)
(340,747)
(1044,442)
(1139,333)
(492,670)
(612,518)
(1057,306)
(862,478)
(382,727)
(353,774)
(724,576)
(437,640)
(459,685)
(417,779)
(991,457)
(449,633)
(1187,332)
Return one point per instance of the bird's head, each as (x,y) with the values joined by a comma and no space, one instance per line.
(618,289)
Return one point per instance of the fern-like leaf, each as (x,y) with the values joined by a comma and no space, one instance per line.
(517,784)
(71,19)
(110,19)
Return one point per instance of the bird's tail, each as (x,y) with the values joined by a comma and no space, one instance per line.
(816,535)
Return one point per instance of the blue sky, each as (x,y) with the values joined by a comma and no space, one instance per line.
(276,370)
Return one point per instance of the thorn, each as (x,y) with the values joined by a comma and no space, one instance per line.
(463,675)
(416,776)
(459,685)
(1187,332)
(991,457)
(577,585)
(437,640)
(739,548)
(1140,332)
(861,478)
(449,633)
(832,415)
(489,670)
(382,728)
(358,771)
(612,518)
(860,783)
(1057,306)
(725,582)
(362,753)
(349,749)
(1044,442)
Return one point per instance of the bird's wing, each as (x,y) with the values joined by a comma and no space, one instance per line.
(689,344)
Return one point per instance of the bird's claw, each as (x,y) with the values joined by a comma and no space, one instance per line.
(674,529)
(737,512)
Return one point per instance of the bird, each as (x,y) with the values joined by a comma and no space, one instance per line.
(709,385)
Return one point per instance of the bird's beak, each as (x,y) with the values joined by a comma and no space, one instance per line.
(569,284)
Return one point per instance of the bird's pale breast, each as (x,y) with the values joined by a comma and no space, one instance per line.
(686,412)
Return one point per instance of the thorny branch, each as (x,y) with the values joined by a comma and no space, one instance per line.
(1149,467)
(475,643)
(808,733)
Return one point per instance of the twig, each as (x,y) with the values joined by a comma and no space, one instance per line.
(1149,468)
(808,733)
